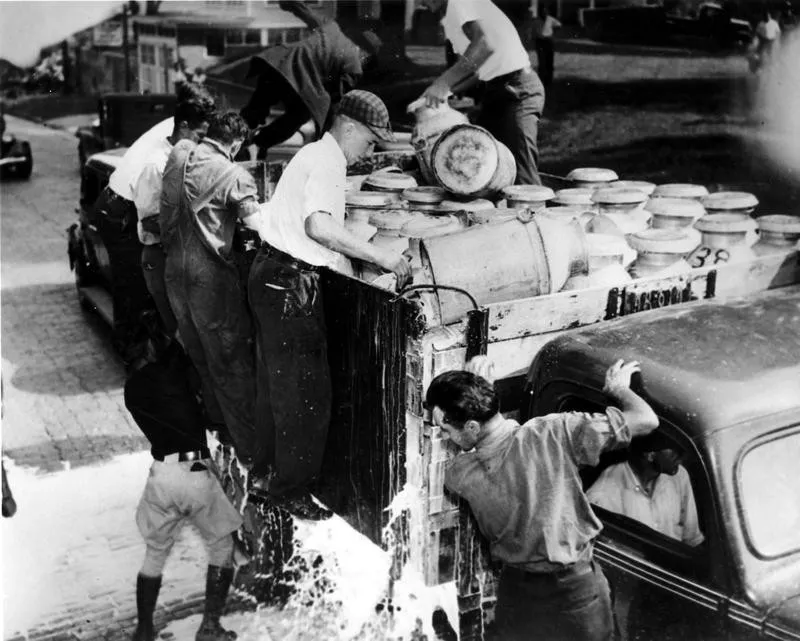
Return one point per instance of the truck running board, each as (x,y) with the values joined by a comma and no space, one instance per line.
(99,300)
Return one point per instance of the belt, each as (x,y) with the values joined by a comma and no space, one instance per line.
(286,259)
(511,76)
(576,569)
(180,457)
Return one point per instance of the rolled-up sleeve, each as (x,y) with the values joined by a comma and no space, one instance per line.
(589,435)
(324,191)
(243,195)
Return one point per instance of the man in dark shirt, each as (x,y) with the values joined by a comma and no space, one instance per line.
(181,486)
(522,484)
(308,77)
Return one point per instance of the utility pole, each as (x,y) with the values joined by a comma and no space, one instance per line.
(125,46)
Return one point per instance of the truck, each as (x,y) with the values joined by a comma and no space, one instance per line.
(384,464)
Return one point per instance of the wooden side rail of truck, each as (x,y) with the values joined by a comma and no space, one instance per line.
(384,350)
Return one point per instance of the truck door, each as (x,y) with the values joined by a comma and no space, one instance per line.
(664,588)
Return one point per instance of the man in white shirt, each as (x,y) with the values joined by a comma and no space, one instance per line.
(653,488)
(190,123)
(303,230)
(491,52)
(117,220)
(768,31)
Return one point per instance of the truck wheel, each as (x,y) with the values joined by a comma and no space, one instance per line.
(24,170)
(81,156)
(84,276)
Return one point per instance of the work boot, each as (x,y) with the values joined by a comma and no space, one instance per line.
(147,588)
(218,582)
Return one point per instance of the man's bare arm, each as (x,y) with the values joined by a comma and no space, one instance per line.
(639,416)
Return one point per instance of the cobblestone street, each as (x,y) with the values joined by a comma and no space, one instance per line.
(75,458)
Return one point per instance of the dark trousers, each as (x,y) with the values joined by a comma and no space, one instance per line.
(546,57)
(115,218)
(568,606)
(293,407)
(272,89)
(214,325)
(511,110)
(154,261)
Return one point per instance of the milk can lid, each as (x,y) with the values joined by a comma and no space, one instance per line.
(574,196)
(593,174)
(725,223)
(532,193)
(425,194)
(390,180)
(680,190)
(369,199)
(616,196)
(642,185)
(730,200)
(478,204)
(675,207)
(779,223)
(662,241)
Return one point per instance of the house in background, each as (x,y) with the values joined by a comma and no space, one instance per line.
(205,33)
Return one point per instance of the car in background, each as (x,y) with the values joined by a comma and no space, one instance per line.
(16,156)
(121,119)
(724,379)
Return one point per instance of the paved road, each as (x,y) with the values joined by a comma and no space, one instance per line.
(62,382)
(71,553)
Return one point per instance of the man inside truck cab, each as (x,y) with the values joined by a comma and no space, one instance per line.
(302,229)
(651,487)
(523,486)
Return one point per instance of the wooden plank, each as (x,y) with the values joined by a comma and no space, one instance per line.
(554,312)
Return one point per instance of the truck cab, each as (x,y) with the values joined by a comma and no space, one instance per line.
(724,378)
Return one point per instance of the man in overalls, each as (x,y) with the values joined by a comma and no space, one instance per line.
(204,194)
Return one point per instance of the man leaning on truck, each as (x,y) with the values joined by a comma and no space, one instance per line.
(302,232)
(522,484)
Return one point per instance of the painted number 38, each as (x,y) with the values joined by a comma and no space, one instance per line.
(707,256)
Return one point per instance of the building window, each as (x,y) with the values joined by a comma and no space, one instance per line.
(146,29)
(215,44)
(234,37)
(168,32)
(292,35)
(148,54)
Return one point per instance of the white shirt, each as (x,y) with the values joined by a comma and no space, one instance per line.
(671,509)
(147,188)
(501,34)
(769,30)
(124,178)
(314,180)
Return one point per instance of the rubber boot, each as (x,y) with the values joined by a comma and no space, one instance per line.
(218,582)
(147,588)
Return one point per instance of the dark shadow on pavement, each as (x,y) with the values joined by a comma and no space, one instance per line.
(51,454)
(61,349)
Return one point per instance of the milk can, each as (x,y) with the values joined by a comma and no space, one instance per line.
(606,267)
(429,226)
(574,196)
(779,234)
(424,198)
(734,202)
(641,185)
(592,177)
(566,214)
(532,197)
(676,213)
(623,207)
(360,205)
(660,252)
(478,210)
(680,190)
(431,123)
(723,240)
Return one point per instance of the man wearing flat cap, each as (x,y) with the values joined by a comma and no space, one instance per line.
(302,230)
